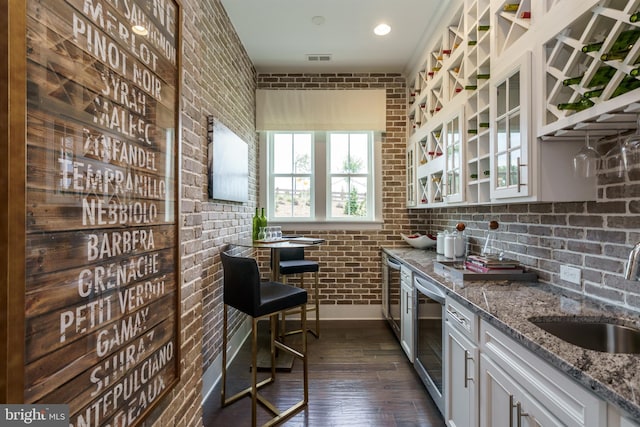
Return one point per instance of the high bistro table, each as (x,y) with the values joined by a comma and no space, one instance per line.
(284,361)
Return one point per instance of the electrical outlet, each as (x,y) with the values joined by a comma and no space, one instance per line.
(570,274)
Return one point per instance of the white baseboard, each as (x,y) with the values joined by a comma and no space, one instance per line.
(350,312)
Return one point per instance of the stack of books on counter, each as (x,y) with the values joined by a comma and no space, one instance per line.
(480,264)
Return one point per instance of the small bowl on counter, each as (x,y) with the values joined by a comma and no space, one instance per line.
(419,241)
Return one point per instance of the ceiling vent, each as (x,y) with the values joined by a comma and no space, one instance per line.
(322,57)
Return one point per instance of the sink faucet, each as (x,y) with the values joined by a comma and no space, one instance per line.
(632,265)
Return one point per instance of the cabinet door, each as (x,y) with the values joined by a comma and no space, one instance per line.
(504,403)
(510,135)
(454,162)
(461,409)
(406,327)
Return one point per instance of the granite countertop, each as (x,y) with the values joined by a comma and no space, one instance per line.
(508,305)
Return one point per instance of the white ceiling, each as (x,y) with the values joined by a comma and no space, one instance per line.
(279,34)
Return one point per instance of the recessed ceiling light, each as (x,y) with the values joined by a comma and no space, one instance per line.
(318,20)
(382,30)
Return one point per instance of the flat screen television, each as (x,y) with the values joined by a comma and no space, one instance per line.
(228,164)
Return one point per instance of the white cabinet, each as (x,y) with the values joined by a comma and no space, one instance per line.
(406,315)
(519,386)
(505,403)
(518,139)
(617,419)
(461,366)
(510,133)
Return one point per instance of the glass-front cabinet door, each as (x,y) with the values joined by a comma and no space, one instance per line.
(510,136)
(454,162)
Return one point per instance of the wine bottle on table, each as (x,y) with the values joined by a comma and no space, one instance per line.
(582,104)
(263,218)
(256,225)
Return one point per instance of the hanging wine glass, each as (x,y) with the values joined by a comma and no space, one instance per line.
(631,148)
(614,160)
(586,162)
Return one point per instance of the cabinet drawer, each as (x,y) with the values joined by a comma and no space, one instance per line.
(568,401)
(463,319)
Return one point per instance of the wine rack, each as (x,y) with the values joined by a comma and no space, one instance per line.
(588,82)
(513,19)
(436,88)
(478,61)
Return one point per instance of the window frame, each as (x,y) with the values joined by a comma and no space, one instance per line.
(321,184)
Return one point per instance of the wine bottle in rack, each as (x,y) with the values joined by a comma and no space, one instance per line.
(622,45)
(627,85)
(471,87)
(511,7)
(592,47)
(600,78)
(635,72)
(635,17)
(482,76)
(472,42)
(593,93)
(483,27)
(582,104)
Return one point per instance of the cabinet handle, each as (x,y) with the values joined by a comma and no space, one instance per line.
(406,299)
(519,173)
(520,414)
(467,357)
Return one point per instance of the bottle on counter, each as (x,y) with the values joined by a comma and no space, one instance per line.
(491,247)
(460,241)
(440,238)
(449,246)
(263,219)
(256,225)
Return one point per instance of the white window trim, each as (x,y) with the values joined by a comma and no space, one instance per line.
(320,192)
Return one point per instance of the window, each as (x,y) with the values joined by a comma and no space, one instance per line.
(320,177)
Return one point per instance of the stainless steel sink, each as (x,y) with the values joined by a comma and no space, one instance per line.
(593,335)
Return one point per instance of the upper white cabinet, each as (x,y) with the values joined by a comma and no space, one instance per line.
(589,50)
(530,78)
(510,131)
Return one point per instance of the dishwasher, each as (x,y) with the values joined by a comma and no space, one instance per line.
(429,314)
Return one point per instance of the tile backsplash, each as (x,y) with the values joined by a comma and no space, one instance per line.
(595,237)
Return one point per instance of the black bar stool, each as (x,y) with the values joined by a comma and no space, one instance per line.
(244,291)
(292,262)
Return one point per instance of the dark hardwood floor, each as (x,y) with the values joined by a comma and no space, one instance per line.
(358,376)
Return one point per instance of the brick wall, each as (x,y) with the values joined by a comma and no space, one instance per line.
(350,260)
(217,79)
(593,236)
